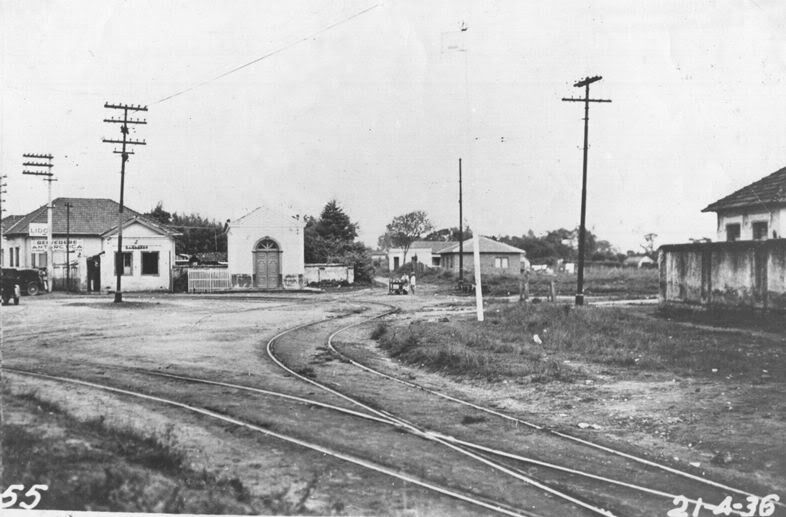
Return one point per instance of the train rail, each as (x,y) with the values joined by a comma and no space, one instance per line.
(464,496)
(517,420)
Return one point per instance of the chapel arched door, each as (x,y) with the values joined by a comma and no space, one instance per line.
(267,264)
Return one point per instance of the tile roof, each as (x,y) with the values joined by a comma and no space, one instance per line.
(766,192)
(434,246)
(87,217)
(487,245)
(10,220)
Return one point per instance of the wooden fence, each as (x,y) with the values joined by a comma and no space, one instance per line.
(208,280)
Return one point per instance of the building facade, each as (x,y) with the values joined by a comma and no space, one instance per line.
(423,252)
(84,244)
(496,258)
(265,250)
(755,212)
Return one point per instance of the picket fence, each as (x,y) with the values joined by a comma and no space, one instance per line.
(208,280)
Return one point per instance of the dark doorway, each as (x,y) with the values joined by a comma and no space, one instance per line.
(94,274)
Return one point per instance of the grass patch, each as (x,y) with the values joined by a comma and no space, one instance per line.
(91,467)
(504,346)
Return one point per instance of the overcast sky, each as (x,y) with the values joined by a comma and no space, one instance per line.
(374,110)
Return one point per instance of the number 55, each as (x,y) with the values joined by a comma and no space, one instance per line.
(33,492)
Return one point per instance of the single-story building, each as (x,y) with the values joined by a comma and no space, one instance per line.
(496,258)
(754,212)
(89,229)
(424,252)
(265,249)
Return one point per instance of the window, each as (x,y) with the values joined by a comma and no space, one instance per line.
(126,265)
(501,262)
(732,232)
(150,263)
(38,260)
(759,230)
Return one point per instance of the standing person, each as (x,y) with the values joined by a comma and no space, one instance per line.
(412,282)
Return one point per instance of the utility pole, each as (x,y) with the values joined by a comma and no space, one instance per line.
(124,153)
(68,247)
(461,232)
(584,83)
(3,192)
(44,168)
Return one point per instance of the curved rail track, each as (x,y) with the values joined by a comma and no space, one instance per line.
(484,454)
(356,460)
(502,461)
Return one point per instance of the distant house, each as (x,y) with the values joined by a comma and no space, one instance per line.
(91,226)
(754,212)
(424,252)
(638,261)
(495,257)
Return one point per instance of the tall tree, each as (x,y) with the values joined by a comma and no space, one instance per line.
(406,229)
(331,239)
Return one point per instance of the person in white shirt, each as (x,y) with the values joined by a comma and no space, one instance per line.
(412,282)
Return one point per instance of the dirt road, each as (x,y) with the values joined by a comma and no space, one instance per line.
(228,339)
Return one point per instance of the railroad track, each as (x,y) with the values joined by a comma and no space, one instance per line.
(505,462)
(491,456)
(461,495)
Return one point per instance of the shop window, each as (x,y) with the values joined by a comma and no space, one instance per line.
(759,230)
(150,263)
(38,260)
(126,264)
(501,262)
(732,232)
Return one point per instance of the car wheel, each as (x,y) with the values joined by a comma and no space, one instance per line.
(32,289)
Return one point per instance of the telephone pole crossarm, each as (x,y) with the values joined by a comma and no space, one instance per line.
(124,152)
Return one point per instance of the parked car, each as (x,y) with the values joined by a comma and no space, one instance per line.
(31,281)
(10,288)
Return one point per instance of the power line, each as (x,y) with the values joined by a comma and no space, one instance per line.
(269,54)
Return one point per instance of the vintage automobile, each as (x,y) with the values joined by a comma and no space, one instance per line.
(10,287)
(31,281)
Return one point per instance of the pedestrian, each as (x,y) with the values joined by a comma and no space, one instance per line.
(412,282)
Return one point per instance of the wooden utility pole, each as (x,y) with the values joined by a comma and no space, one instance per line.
(68,246)
(44,168)
(461,232)
(3,192)
(584,83)
(124,153)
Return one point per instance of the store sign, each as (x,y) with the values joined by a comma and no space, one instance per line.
(40,246)
(38,229)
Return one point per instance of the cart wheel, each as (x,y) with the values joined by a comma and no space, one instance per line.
(32,289)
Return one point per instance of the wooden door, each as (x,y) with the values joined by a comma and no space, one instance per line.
(267,264)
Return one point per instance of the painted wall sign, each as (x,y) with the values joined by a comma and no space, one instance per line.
(39,245)
(38,229)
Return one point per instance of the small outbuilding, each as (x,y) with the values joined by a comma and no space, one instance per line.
(265,250)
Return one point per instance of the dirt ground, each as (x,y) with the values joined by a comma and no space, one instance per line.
(729,429)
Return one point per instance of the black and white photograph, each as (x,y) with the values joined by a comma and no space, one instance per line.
(393,258)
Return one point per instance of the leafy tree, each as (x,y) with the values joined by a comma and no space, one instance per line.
(449,234)
(406,229)
(198,234)
(649,247)
(331,239)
